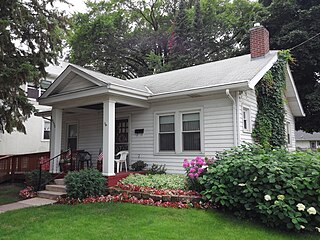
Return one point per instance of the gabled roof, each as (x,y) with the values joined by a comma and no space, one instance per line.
(301,135)
(238,73)
(226,72)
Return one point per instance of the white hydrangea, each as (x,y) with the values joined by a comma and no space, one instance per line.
(242,184)
(312,211)
(301,207)
(318,229)
(255,178)
(267,197)
(302,227)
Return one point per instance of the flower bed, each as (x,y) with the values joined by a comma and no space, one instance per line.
(125,197)
(158,181)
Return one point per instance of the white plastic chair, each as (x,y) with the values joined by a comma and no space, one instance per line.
(123,159)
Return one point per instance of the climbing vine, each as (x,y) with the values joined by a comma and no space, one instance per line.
(269,128)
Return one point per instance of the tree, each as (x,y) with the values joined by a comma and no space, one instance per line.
(31,35)
(288,29)
(138,38)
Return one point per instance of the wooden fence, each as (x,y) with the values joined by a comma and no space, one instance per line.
(14,167)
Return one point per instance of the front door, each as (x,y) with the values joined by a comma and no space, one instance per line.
(122,135)
(72,136)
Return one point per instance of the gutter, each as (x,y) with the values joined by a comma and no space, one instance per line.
(238,117)
(234,113)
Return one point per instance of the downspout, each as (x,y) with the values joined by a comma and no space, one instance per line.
(234,118)
(238,118)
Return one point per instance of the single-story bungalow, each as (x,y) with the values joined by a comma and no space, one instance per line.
(166,117)
(306,140)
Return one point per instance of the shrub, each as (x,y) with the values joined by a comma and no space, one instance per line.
(277,187)
(138,165)
(85,183)
(159,181)
(32,179)
(157,169)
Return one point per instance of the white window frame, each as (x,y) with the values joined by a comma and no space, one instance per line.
(181,130)
(43,126)
(178,131)
(163,114)
(288,133)
(248,110)
(67,133)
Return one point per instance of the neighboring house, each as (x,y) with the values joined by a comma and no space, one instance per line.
(37,135)
(307,140)
(166,117)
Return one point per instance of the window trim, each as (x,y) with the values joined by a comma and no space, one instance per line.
(42,133)
(248,129)
(288,133)
(178,131)
(181,131)
(67,124)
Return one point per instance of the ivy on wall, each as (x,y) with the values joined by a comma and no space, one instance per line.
(269,128)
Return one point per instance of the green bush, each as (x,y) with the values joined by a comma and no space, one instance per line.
(32,179)
(157,169)
(138,165)
(85,183)
(277,187)
(159,181)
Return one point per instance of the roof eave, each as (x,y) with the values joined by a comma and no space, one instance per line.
(243,85)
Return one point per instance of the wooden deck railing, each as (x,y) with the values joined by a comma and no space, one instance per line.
(15,166)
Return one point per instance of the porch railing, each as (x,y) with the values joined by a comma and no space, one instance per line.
(16,166)
(45,165)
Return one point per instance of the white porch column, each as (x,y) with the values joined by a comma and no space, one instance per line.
(109,112)
(55,139)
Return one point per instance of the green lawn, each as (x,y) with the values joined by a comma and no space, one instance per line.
(9,192)
(130,221)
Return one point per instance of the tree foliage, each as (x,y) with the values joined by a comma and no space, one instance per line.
(31,34)
(299,22)
(156,36)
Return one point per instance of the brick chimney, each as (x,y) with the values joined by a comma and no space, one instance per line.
(259,41)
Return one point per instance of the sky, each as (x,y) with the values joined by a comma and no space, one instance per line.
(77,6)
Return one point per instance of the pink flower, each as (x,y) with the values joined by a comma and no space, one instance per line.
(200,170)
(191,175)
(192,162)
(196,175)
(192,170)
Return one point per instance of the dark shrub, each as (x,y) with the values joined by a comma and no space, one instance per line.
(138,165)
(32,178)
(277,187)
(157,169)
(85,183)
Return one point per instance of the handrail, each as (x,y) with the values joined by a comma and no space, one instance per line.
(46,162)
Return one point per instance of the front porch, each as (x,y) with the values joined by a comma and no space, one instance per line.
(85,109)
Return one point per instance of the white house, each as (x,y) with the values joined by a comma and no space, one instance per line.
(37,137)
(166,117)
(307,140)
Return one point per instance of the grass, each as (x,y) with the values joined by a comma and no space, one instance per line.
(131,221)
(9,192)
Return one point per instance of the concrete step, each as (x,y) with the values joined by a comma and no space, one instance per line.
(59,181)
(50,194)
(56,188)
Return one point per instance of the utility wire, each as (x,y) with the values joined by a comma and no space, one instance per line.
(304,41)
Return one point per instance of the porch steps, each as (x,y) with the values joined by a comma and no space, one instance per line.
(54,191)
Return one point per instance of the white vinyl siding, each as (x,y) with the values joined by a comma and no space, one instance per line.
(216,130)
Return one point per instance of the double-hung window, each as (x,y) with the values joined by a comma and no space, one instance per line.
(246,119)
(288,130)
(191,132)
(166,133)
(46,130)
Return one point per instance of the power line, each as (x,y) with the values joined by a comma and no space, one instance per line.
(305,41)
